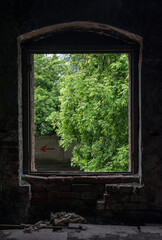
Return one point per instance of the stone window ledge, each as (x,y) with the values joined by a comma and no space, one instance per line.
(109,179)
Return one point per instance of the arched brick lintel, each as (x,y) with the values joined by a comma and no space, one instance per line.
(99,28)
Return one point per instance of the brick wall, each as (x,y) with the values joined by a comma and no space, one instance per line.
(92,196)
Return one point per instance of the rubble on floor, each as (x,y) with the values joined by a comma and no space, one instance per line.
(57,219)
(92,232)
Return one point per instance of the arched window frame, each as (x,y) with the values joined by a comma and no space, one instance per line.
(109,39)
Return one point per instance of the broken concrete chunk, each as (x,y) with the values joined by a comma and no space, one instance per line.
(57,219)
(36,226)
(64,218)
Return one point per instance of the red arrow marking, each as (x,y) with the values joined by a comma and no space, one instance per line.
(44,149)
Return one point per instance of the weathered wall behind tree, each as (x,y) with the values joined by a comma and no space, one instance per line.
(139,17)
(50,156)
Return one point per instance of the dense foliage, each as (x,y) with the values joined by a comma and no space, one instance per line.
(86,100)
(47,71)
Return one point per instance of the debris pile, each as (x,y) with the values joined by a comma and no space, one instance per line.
(63,218)
(36,226)
(57,219)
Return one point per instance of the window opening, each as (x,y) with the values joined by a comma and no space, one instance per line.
(81,112)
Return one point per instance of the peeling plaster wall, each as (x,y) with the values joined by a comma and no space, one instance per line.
(143,18)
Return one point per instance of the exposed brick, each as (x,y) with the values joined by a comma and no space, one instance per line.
(65,195)
(76,195)
(83,206)
(100,187)
(84,179)
(52,187)
(59,180)
(1,196)
(111,179)
(116,198)
(14,167)
(88,195)
(65,188)
(38,202)
(24,189)
(8,205)
(14,158)
(38,188)
(13,151)
(136,206)
(114,206)
(36,180)
(63,204)
(83,187)
(138,198)
(52,195)
(59,187)
(9,143)
(100,205)
(104,179)
(39,195)
(90,202)
(150,194)
(120,188)
(38,212)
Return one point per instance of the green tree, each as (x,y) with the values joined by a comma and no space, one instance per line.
(94,111)
(47,71)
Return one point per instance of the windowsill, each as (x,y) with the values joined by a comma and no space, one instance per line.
(109,178)
(79,173)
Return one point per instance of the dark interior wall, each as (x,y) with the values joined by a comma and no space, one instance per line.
(139,17)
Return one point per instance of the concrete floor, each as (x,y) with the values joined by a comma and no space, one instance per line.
(90,232)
